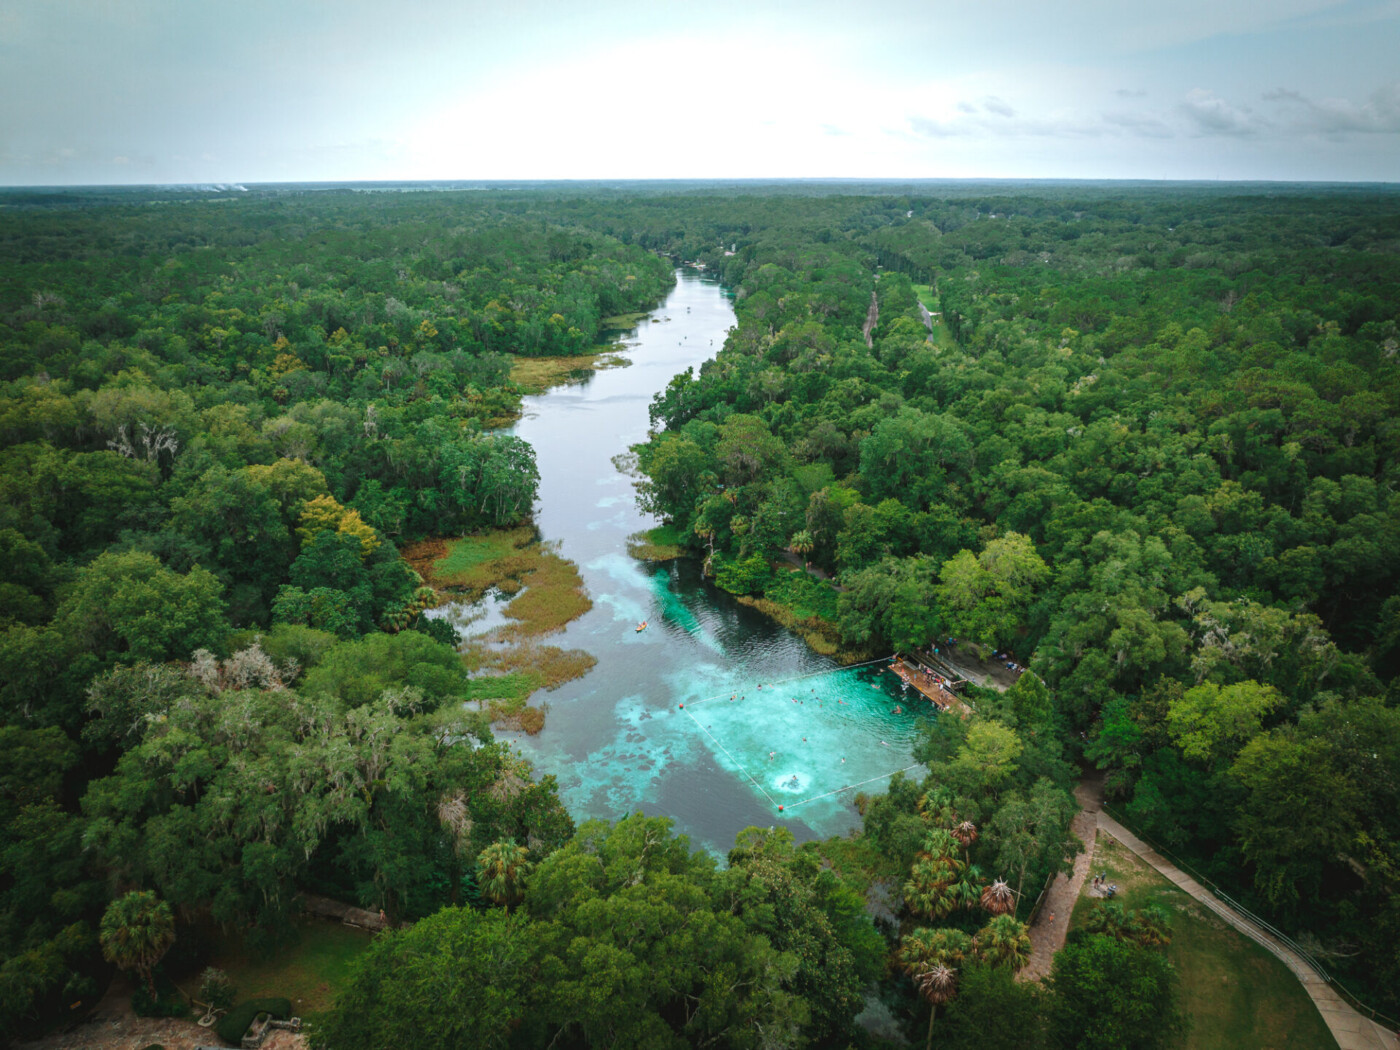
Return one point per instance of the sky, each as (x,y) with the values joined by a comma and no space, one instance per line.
(242,91)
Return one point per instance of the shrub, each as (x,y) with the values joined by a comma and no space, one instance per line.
(167,1003)
(234,1023)
(746,576)
(216,989)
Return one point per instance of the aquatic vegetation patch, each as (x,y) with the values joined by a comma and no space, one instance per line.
(509,677)
(663,543)
(507,666)
(547,666)
(622,321)
(471,564)
(535,375)
(551,596)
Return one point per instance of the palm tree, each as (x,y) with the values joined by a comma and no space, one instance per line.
(967,888)
(930,958)
(929,890)
(937,986)
(1004,942)
(801,544)
(940,843)
(136,932)
(998,898)
(1110,919)
(501,871)
(1152,927)
(936,808)
(966,833)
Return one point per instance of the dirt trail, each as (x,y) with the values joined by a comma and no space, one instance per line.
(1052,921)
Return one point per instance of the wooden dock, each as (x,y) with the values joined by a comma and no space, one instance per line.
(933,687)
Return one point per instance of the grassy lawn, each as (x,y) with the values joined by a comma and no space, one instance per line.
(309,972)
(941,336)
(1237,995)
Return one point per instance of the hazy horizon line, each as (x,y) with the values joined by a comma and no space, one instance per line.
(223,185)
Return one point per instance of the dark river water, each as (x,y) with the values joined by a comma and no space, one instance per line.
(766,722)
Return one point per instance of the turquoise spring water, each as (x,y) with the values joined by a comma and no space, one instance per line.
(800,732)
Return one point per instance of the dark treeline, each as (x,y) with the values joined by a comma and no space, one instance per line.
(1147,445)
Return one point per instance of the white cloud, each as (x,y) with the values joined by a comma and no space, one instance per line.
(1206,113)
(1379,114)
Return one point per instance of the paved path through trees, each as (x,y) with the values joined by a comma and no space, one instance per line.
(1352,1030)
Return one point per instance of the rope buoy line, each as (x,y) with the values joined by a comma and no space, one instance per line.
(732,759)
(782,807)
(800,677)
(848,787)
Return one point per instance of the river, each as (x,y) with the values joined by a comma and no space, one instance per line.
(652,727)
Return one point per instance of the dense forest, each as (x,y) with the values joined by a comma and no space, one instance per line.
(1144,440)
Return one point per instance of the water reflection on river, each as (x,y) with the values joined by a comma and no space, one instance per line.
(798,730)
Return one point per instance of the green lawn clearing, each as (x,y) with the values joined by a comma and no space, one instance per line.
(309,971)
(1237,995)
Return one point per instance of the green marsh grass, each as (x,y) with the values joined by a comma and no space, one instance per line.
(508,666)
(663,543)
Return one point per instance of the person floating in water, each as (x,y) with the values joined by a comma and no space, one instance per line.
(898,710)
(794,781)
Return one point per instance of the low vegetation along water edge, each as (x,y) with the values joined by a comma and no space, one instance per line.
(508,663)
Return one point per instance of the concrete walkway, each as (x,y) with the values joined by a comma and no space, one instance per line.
(1353,1031)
